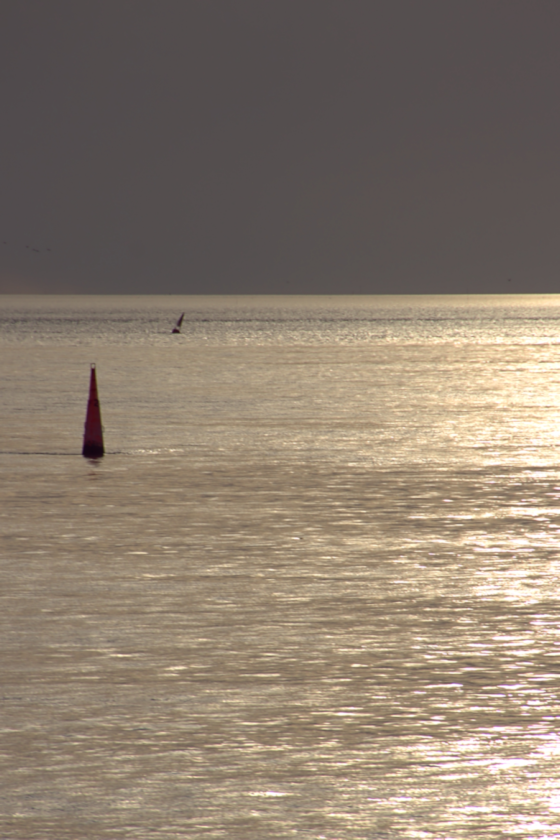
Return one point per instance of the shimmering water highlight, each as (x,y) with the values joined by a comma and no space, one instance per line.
(311,590)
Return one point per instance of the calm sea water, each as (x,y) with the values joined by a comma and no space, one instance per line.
(312,590)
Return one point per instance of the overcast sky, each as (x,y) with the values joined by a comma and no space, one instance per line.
(280,146)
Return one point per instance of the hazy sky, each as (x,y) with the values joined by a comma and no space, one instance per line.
(283,146)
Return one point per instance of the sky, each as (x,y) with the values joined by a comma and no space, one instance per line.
(279,146)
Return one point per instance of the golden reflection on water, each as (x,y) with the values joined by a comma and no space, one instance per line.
(278,620)
(213,657)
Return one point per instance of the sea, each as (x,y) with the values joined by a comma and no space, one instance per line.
(312,589)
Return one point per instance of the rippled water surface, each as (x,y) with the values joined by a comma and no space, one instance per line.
(312,589)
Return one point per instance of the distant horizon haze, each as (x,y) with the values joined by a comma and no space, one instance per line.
(309,147)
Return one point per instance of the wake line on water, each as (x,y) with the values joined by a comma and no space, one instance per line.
(130,452)
(58,454)
(50,454)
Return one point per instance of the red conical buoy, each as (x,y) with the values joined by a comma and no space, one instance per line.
(93,433)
